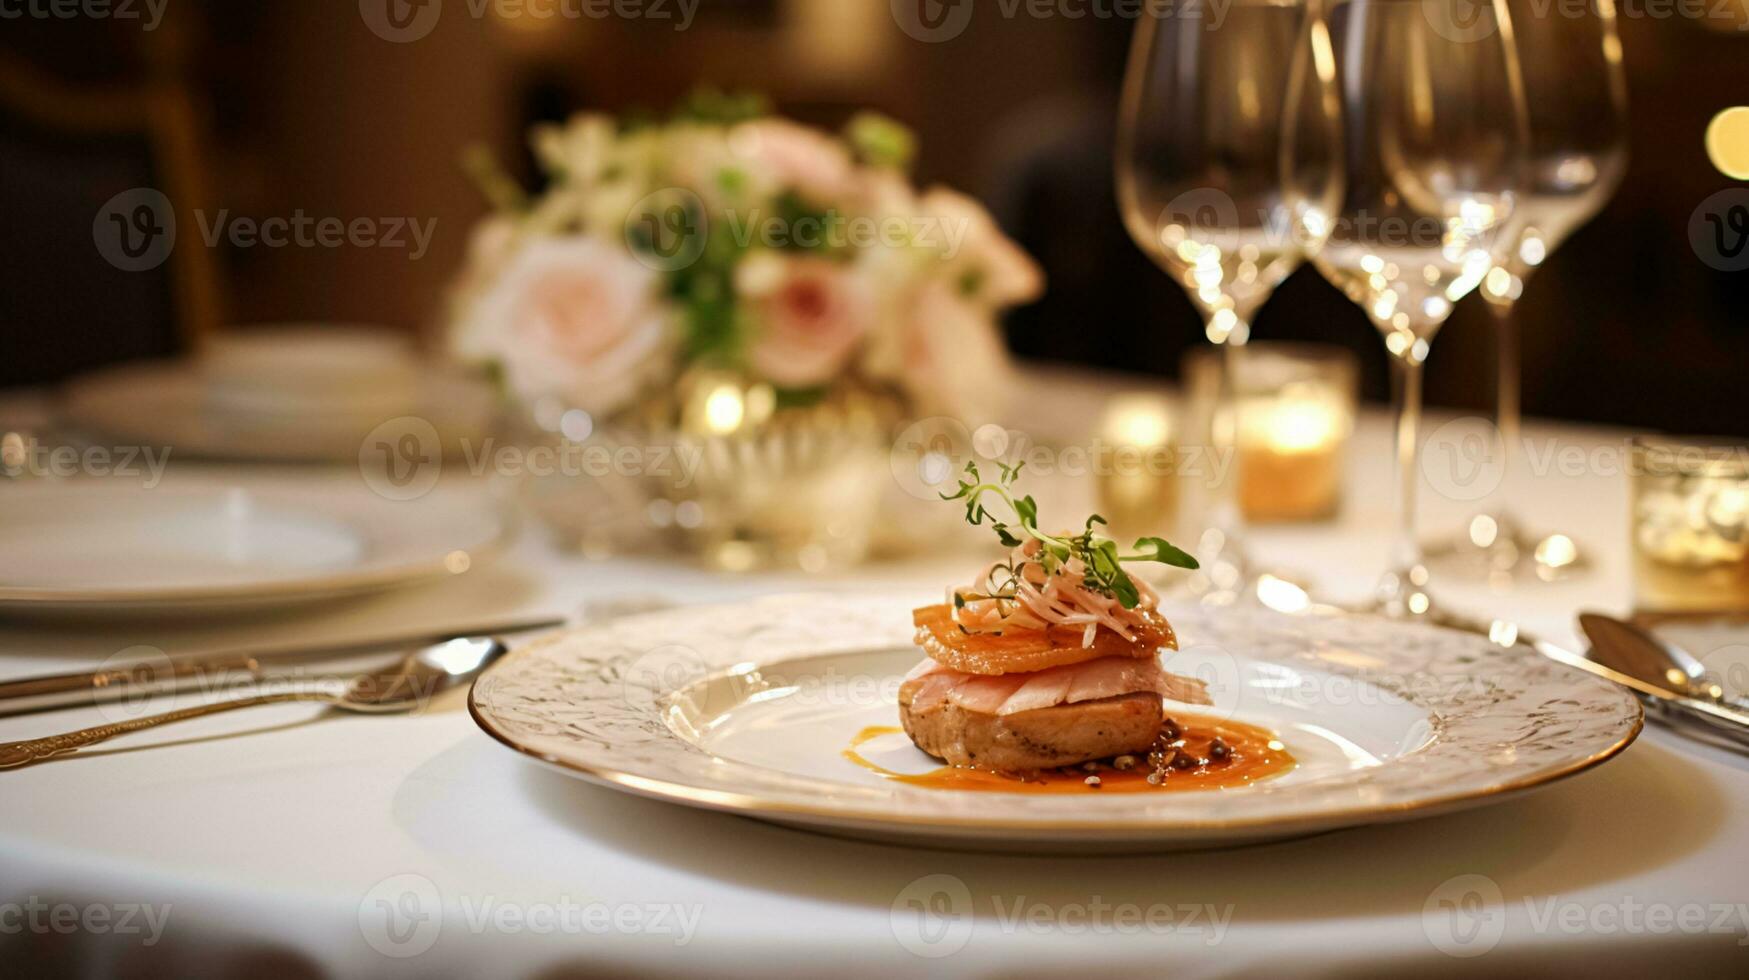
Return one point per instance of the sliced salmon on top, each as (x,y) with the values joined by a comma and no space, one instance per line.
(1016,651)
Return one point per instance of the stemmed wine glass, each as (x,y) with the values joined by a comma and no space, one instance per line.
(1200,181)
(1576,99)
(1432,146)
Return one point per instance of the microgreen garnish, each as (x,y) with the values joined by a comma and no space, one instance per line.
(1099,554)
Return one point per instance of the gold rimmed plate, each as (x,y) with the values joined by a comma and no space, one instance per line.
(750,708)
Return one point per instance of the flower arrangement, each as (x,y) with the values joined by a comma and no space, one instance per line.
(725,239)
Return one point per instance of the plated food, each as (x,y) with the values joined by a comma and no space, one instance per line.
(747,707)
(1051,658)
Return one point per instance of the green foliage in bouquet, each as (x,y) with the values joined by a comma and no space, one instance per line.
(665,242)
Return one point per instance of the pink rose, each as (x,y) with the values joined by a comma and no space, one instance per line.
(811,313)
(792,155)
(575,318)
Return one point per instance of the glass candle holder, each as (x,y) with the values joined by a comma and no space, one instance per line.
(1296,406)
(1135,469)
(1690,525)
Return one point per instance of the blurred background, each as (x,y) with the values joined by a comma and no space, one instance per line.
(282,108)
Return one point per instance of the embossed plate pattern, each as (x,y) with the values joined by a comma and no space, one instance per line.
(745,708)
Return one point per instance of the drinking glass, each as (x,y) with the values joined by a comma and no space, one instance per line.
(1576,100)
(1690,526)
(1200,176)
(1432,143)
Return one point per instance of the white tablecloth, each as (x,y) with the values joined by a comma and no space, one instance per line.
(265,843)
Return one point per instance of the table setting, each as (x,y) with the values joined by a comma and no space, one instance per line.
(711,589)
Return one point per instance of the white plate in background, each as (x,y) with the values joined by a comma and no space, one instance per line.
(172,404)
(111,545)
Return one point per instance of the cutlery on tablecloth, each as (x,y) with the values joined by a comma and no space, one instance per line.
(1641,653)
(1674,684)
(1719,719)
(404,687)
(230,669)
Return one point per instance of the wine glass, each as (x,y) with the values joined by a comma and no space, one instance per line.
(1576,100)
(1432,143)
(1200,182)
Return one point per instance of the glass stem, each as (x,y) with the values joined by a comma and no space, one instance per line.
(1508,385)
(1226,516)
(1406,372)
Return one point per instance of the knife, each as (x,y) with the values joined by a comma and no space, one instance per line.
(1641,653)
(229,669)
(1717,716)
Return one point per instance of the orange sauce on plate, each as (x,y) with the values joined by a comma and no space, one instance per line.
(1253,754)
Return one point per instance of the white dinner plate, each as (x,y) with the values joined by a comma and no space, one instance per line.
(119,547)
(749,709)
(170,403)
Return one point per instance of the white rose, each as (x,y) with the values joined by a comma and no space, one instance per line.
(972,242)
(951,356)
(575,318)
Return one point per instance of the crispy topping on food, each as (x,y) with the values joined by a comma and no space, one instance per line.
(1071,579)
